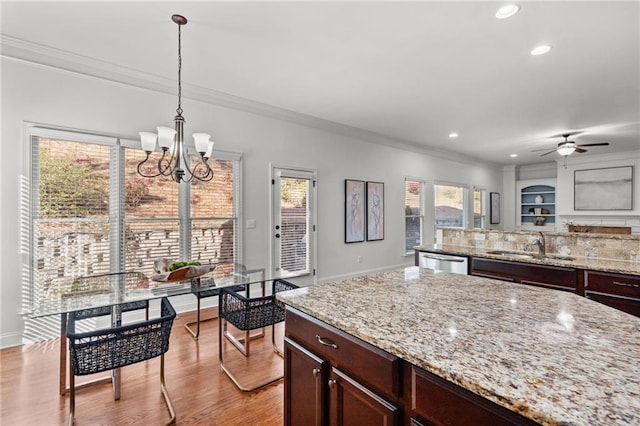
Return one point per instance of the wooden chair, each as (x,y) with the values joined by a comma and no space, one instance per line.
(116,347)
(247,314)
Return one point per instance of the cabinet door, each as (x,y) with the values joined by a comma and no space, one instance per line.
(352,404)
(304,394)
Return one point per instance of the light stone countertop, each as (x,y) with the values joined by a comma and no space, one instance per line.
(552,356)
(594,264)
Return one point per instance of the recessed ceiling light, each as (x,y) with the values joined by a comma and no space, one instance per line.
(513,155)
(453,135)
(507,11)
(541,50)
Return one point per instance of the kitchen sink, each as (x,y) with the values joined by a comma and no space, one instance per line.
(512,254)
(516,255)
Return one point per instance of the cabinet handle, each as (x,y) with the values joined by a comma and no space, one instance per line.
(626,284)
(332,383)
(316,372)
(326,342)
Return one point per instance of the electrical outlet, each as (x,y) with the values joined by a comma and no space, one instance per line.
(359,259)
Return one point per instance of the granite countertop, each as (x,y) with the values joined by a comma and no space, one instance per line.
(594,264)
(552,356)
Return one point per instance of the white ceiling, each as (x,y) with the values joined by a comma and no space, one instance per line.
(408,71)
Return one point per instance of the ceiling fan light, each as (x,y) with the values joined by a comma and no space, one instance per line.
(567,149)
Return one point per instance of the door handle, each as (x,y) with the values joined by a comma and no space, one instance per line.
(277,235)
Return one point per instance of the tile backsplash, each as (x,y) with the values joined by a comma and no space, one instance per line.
(602,246)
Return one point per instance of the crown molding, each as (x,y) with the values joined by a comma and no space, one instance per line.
(58,59)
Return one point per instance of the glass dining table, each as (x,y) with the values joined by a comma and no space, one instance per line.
(120,293)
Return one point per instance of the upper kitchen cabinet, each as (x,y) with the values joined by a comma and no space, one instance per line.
(536,204)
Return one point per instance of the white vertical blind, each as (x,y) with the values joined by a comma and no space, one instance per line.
(294,223)
(89,212)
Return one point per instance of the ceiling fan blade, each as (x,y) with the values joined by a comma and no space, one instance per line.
(541,149)
(566,134)
(580,150)
(547,153)
(594,144)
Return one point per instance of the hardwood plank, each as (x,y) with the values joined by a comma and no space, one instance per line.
(200,391)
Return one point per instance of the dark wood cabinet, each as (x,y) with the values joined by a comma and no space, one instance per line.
(304,398)
(435,401)
(553,277)
(352,403)
(619,291)
(332,378)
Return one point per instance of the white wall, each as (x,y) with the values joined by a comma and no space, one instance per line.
(565,203)
(45,95)
(563,172)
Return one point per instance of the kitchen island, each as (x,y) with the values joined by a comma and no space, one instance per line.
(550,357)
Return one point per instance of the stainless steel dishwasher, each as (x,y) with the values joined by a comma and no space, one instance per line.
(444,262)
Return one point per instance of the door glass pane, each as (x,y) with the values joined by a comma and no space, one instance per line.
(294,224)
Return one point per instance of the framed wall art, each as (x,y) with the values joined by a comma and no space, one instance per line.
(494,208)
(354,211)
(603,189)
(375,211)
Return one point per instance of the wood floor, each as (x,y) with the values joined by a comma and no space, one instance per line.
(201,393)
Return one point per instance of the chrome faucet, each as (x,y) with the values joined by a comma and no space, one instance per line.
(540,242)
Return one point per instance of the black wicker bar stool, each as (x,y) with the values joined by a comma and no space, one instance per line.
(112,348)
(248,314)
(98,284)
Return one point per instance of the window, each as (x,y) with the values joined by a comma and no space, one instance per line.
(450,205)
(479,210)
(413,214)
(90,212)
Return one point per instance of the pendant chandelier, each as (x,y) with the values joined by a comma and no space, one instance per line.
(175,161)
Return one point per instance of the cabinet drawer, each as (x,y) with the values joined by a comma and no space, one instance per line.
(441,402)
(618,284)
(366,363)
(527,273)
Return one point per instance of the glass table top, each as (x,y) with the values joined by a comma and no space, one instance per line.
(113,289)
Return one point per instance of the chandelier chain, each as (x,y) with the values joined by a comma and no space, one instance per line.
(179,110)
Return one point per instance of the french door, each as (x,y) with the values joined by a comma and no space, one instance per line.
(292,220)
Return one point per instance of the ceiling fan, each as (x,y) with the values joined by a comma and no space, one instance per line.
(569,147)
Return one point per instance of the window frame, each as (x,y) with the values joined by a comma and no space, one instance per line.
(422,213)
(465,204)
(483,207)
(117,144)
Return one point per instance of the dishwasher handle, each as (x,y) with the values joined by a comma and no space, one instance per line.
(443,258)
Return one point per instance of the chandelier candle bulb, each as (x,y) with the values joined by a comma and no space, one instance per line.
(166,136)
(148,141)
(202,142)
(209,152)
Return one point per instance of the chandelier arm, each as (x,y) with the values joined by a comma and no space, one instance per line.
(207,177)
(141,173)
(166,170)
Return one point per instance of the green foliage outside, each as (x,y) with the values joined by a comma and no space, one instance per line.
(293,192)
(70,188)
